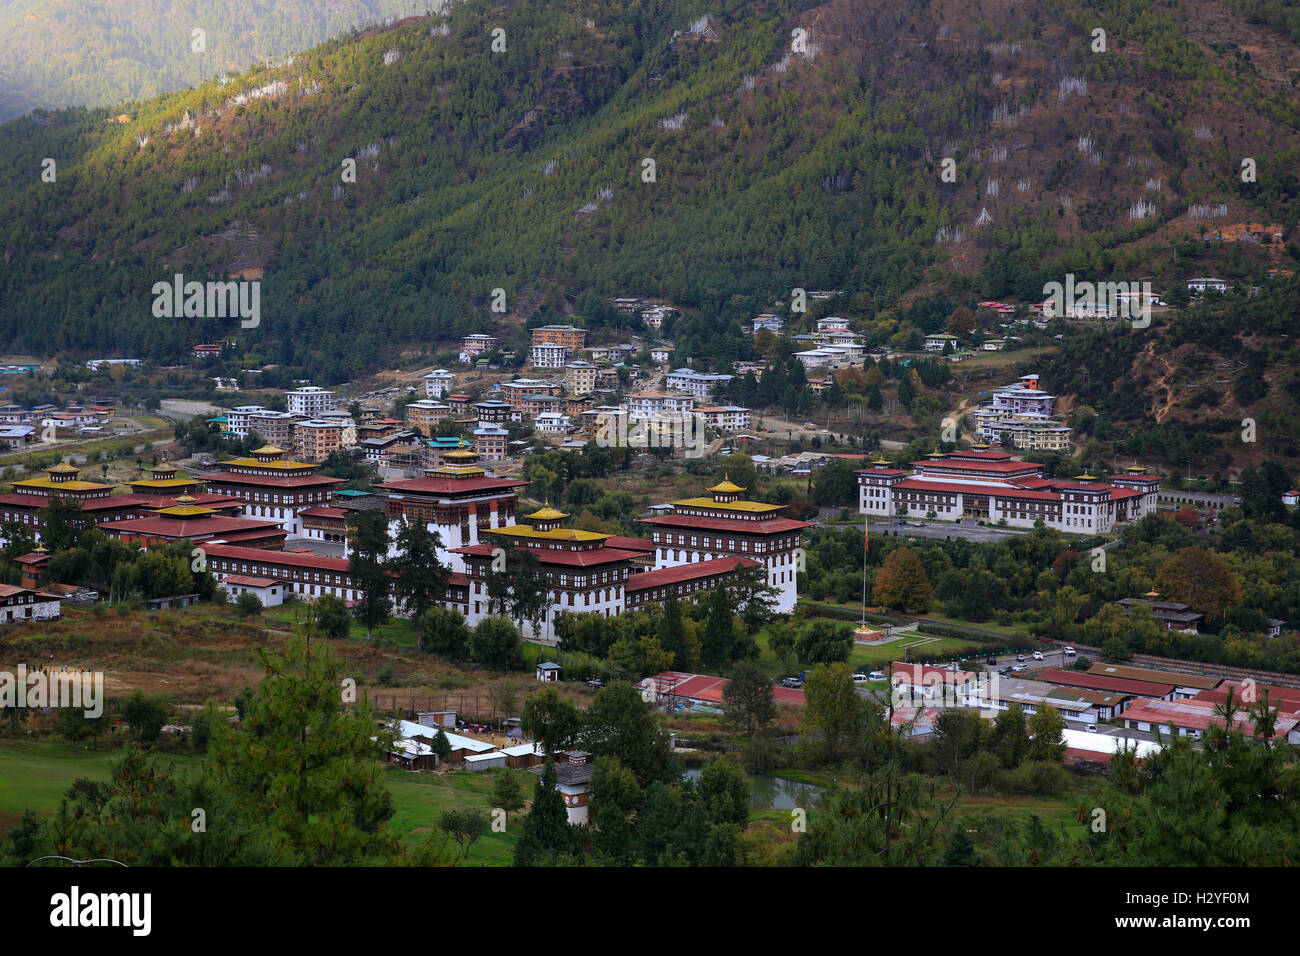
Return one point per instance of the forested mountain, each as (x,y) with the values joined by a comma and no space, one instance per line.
(524,169)
(88,53)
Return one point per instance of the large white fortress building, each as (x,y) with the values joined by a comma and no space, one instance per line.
(992,486)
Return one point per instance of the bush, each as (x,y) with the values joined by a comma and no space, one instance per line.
(1034,778)
(249,604)
(333,617)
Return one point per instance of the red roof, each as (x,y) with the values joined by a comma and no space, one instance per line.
(591,557)
(249,581)
(686,572)
(269,481)
(288,559)
(705,687)
(1284,699)
(928,674)
(882,471)
(759,526)
(1034,481)
(629,544)
(970,488)
(1198,715)
(106,503)
(994,466)
(205,527)
(323,511)
(450,486)
(1139,688)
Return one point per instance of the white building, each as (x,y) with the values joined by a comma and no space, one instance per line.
(699,384)
(309,401)
(994,487)
(831,357)
(269,591)
(643,406)
(1207,284)
(727,418)
(936,343)
(549,355)
(552,423)
(438,383)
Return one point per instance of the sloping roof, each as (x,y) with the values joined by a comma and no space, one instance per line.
(686,572)
(1138,688)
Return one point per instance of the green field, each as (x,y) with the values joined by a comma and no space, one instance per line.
(863,657)
(35,775)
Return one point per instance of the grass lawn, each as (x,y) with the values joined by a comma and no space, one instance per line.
(1057,813)
(36,774)
(868,657)
(420,798)
(398,632)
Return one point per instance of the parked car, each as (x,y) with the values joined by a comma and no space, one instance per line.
(595,682)
(1018,668)
(791,682)
(1020,657)
(992,662)
(1091,728)
(1069,652)
(860,678)
(1038,655)
(1005,671)
(878,675)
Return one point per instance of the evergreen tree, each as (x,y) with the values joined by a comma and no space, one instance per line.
(719,632)
(366,568)
(547,836)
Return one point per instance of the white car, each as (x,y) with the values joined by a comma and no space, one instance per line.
(1091,728)
(877,675)
(1038,655)
(860,678)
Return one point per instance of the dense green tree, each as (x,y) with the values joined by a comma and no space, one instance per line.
(620,724)
(747,701)
(419,578)
(495,644)
(551,720)
(546,838)
(369,538)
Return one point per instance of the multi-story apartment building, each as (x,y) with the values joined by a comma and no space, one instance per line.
(424,416)
(515,392)
(316,439)
(580,377)
(727,418)
(699,384)
(569,336)
(491,442)
(643,406)
(309,401)
(438,383)
(478,343)
(549,355)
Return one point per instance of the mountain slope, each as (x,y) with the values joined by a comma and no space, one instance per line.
(72,53)
(522,170)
